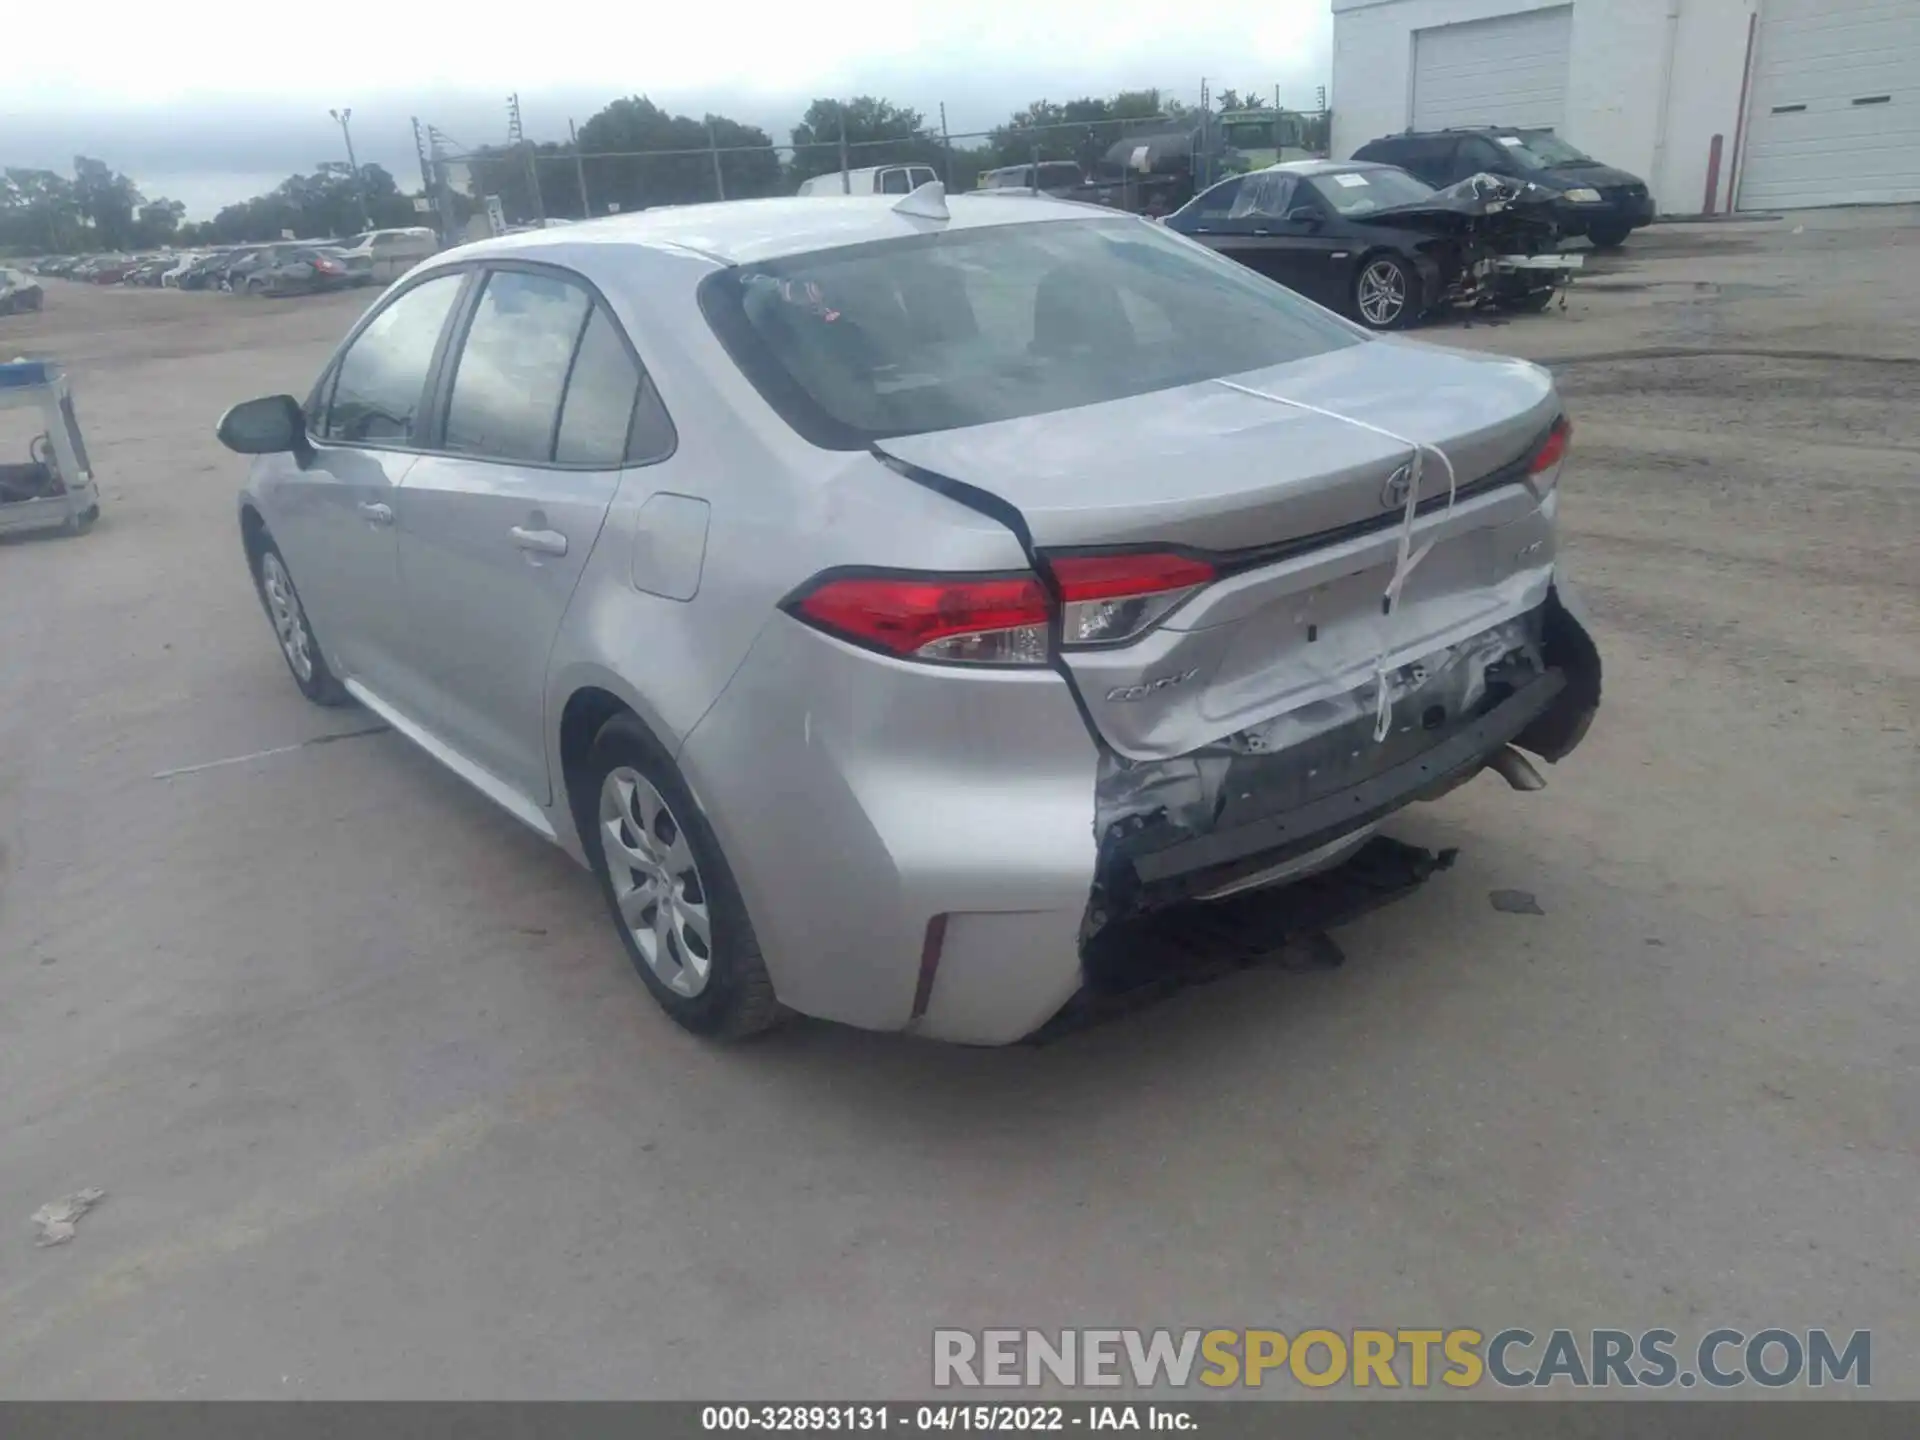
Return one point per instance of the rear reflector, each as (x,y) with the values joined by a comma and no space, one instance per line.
(964,619)
(1544,468)
(1110,599)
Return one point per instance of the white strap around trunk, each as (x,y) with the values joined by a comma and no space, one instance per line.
(1407,558)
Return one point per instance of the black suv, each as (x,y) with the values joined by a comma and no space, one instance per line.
(1597,201)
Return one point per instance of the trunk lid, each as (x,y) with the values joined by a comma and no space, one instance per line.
(1296,508)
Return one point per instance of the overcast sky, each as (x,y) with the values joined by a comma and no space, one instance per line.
(214,110)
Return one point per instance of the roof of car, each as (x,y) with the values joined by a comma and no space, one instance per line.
(740,232)
(1459,130)
(1326,167)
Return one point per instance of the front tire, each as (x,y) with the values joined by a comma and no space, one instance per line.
(293,631)
(1609,236)
(672,897)
(1386,293)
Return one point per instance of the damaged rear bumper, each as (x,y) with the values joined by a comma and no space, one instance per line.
(1206,824)
(964,881)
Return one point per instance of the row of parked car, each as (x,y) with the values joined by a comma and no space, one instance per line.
(284,267)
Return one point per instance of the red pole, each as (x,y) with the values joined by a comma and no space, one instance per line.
(1713,175)
(1740,120)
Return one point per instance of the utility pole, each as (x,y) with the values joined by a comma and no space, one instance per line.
(846,180)
(426,176)
(580,172)
(516,133)
(340,118)
(713,149)
(946,143)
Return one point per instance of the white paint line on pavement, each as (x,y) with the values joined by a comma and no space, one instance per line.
(264,754)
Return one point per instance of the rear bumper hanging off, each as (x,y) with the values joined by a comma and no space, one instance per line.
(1194,827)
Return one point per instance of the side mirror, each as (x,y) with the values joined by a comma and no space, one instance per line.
(1304,215)
(271,425)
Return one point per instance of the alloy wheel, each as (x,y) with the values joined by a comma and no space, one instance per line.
(283,608)
(656,883)
(1383,293)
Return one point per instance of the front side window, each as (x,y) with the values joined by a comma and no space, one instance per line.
(381,379)
(1263,196)
(512,368)
(894,182)
(973,326)
(1483,154)
(1550,150)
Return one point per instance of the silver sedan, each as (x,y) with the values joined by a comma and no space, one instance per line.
(890,597)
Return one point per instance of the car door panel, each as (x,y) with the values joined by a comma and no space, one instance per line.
(332,519)
(494,532)
(489,558)
(333,516)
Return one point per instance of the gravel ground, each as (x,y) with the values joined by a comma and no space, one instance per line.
(379,1109)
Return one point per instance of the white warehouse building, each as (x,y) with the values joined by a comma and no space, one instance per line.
(1719,104)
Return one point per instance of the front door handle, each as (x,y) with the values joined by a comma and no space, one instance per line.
(541,542)
(375,513)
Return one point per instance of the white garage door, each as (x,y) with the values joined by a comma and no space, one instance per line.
(1835,116)
(1507,71)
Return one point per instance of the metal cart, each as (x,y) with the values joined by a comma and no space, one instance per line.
(53,488)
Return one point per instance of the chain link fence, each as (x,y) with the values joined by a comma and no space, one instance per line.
(1145,164)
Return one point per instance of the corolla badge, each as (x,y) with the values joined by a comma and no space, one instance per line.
(1150,687)
(1393,494)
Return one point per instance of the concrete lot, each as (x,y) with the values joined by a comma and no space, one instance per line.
(381,1110)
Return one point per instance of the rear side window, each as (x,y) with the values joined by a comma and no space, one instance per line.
(972,326)
(1217,203)
(1430,157)
(512,369)
(382,377)
(545,376)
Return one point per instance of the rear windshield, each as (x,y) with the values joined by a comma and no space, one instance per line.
(964,328)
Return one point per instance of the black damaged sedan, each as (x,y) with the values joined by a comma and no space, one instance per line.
(1379,246)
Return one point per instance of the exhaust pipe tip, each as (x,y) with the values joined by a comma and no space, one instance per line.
(1514,768)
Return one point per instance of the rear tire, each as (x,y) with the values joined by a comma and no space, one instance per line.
(1386,293)
(668,888)
(292,630)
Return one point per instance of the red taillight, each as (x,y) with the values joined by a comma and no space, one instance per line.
(1553,449)
(1112,598)
(1113,577)
(972,619)
(1002,619)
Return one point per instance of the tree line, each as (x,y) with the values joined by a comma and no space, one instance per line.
(625,153)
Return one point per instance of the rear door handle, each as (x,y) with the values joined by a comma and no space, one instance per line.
(375,513)
(541,542)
